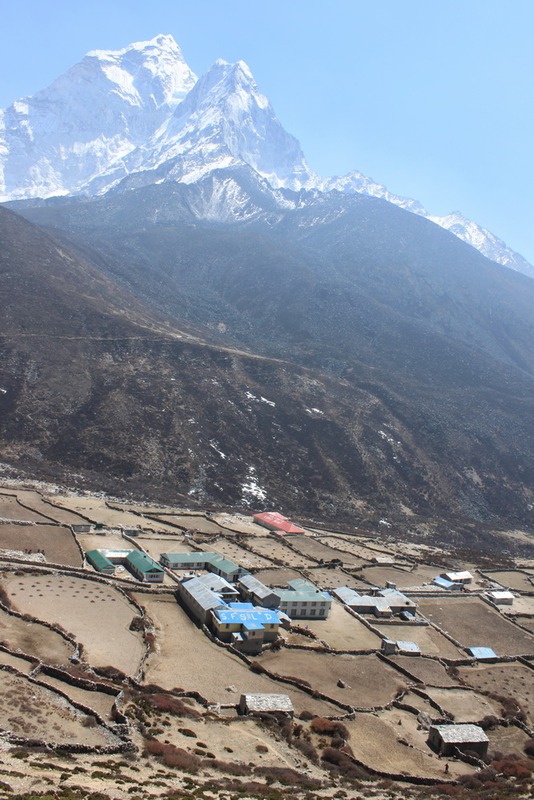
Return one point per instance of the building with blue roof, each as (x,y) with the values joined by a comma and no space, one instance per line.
(246,626)
(481,653)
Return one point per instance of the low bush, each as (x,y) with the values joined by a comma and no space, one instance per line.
(329,727)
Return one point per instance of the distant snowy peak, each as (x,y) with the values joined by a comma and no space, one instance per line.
(483,240)
(465,229)
(225,121)
(99,110)
(355,182)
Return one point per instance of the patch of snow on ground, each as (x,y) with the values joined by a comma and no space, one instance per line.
(214,446)
(251,490)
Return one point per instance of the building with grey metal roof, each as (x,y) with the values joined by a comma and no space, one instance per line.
(265,703)
(450,740)
(257,592)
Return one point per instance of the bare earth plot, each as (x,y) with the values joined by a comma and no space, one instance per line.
(318,550)
(34,639)
(97,615)
(508,740)
(526,622)
(369,682)
(277,577)
(522,604)
(426,670)
(404,578)
(430,641)
(245,558)
(46,507)
(98,701)
(103,541)
(274,549)
(507,680)
(376,740)
(57,542)
(191,522)
(188,660)
(475,624)
(464,704)
(363,548)
(513,579)
(156,545)
(32,711)
(341,631)
(240,739)
(332,578)
(96,510)
(239,523)
(11,509)
(17,662)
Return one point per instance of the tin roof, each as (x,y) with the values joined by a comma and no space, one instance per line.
(301,591)
(460,734)
(459,577)
(200,592)
(481,652)
(254,585)
(276,521)
(251,617)
(142,562)
(99,560)
(267,702)
(443,582)
(408,647)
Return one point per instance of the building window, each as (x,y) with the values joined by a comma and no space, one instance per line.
(312,612)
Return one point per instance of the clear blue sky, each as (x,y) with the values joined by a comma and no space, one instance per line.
(433,98)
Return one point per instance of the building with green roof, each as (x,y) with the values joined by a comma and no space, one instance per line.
(144,568)
(100,562)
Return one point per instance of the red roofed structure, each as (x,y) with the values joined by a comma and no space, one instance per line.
(276,522)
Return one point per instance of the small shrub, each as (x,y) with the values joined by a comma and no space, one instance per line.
(329,727)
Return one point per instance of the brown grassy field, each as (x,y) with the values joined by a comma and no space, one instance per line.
(426,670)
(313,548)
(279,576)
(33,711)
(245,558)
(369,682)
(513,579)
(273,548)
(513,681)
(332,578)
(362,548)
(57,542)
(464,704)
(98,701)
(473,623)
(45,506)
(377,576)
(10,508)
(341,631)
(239,523)
(34,639)
(187,659)
(191,522)
(431,641)
(97,615)
(377,741)
(97,511)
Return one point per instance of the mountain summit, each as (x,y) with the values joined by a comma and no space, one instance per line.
(138,116)
(57,141)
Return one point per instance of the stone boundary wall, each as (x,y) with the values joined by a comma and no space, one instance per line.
(124,746)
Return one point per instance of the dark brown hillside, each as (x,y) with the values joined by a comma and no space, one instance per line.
(354,393)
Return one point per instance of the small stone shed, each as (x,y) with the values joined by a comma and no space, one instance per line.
(449,740)
(265,704)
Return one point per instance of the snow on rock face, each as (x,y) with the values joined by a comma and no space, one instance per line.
(223,122)
(139,115)
(97,111)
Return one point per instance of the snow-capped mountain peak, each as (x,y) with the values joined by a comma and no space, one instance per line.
(225,121)
(99,110)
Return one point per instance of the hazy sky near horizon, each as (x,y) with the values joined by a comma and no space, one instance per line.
(432,99)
